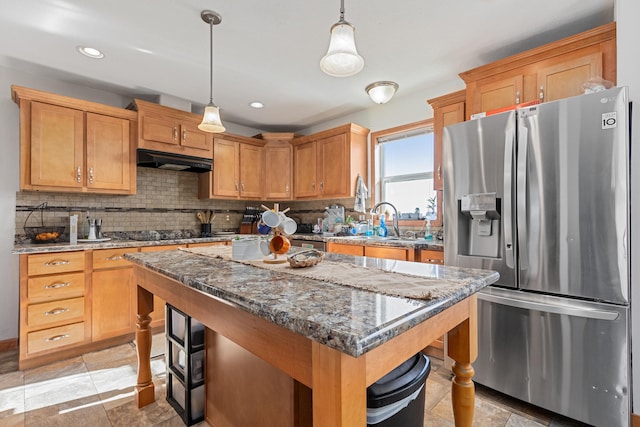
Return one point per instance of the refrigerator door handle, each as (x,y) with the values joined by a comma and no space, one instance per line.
(509,140)
(521,196)
(557,308)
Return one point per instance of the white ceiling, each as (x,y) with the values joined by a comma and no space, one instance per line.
(269,50)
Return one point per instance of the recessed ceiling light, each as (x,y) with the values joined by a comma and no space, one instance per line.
(90,52)
(256,104)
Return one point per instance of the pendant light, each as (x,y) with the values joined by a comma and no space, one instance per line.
(382,92)
(342,59)
(211,118)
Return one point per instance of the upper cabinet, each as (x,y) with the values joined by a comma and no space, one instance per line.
(553,71)
(326,164)
(447,110)
(238,169)
(170,130)
(72,145)
(278,180)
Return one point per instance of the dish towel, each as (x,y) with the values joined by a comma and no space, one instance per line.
(361,195)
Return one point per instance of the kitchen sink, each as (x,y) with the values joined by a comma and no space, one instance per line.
(377,238)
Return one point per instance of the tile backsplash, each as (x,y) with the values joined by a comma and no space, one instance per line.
(165,200)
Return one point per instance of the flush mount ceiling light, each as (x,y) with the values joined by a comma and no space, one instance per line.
(381,92)
(342,59)
(256,104)
(211,119)
(90,52)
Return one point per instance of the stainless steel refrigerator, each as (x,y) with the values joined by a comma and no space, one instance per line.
(541,195)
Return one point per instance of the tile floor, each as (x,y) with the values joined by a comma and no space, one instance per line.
(97,389)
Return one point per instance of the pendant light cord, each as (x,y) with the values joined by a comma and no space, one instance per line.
(341,11)
(211,61)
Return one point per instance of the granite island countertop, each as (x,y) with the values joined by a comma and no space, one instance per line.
(418,243)
(350,320)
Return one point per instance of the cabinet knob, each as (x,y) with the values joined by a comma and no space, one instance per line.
(313,187)
(56,262)
(541,94)
(242,186)
(78,174)
(286,188)
(175,133)
(184,135)
(236,186)
(91,175)
(321,185)
(518,97)
(439,172)
(114,258)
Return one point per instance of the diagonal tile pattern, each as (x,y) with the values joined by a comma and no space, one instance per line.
(97,389)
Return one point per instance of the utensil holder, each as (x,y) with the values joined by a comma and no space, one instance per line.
(205,230)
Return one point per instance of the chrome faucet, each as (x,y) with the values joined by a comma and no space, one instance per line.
(396,229)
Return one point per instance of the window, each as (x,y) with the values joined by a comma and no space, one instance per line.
(403,165)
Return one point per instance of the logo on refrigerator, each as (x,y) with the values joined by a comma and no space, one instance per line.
(609,120)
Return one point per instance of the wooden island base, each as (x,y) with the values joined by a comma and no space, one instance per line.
(338,380)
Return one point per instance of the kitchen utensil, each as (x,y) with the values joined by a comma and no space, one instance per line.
(200,216)
(212,216)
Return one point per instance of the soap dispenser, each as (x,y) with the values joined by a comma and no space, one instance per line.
(382,230)
(427,233)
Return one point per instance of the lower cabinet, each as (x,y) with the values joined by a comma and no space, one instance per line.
(113,297)
(387,252)
(345,249)
(432,256)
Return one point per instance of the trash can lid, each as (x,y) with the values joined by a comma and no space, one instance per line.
(400,377)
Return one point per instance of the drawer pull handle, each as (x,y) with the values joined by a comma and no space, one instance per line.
(57,337)
(58,285)
(56,311)
(56,262)
(115,258)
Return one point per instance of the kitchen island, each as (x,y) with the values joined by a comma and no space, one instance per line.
(334,339)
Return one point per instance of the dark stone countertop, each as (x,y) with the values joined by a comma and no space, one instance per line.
(350,320)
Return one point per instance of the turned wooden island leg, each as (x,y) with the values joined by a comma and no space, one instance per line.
(338,387)
(144,388)
(463,348)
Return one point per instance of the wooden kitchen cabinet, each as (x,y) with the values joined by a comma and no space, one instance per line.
(546,73)
(54,305)
(238,169)
(447,110)
(327,164)
(278,183)
(73,145)
(170,130)
(345,249)
(388,252)
(431,256)
(113,294)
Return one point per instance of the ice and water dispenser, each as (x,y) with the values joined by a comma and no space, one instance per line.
(479,225)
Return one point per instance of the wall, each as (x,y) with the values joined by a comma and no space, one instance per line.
(627,13)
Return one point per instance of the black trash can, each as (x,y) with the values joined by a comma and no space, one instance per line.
(397,399)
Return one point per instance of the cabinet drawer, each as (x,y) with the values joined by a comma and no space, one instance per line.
(346,249)
(108,258)
(48,288)
(55,337)
(386,252)
(53,312)
(432,257)
(55,263)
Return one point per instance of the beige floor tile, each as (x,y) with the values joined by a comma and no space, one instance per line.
(486,414)
(516,420)
(11,398)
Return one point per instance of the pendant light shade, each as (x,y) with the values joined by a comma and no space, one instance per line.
(342,59)
(211,119)
(382,92)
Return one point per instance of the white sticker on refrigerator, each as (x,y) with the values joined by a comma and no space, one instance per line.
(609,120)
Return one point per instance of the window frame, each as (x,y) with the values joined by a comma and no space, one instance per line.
(376,187)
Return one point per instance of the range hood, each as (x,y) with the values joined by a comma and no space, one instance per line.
(176,162)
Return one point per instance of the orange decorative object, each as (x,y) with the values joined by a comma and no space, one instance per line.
(279,244)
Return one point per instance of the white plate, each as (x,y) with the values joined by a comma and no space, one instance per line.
(106,239)
(224,233)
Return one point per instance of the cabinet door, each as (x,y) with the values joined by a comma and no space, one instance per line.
(564,79)
(333,166)
(432,257)
(160,129)
(57,146)
(491,94)
(225,168)
(304,167)
(113,303)
(278,162)
(444,116)
(251,171)
(194,138)
(108,153)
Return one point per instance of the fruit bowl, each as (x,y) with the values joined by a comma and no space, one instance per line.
(44,234)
